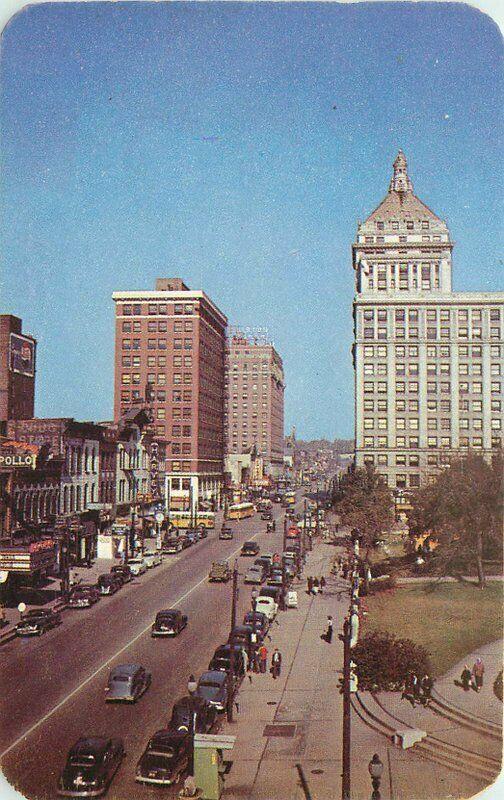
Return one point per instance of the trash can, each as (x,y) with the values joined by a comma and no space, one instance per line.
(209,767)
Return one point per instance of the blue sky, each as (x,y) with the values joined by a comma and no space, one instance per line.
(235,146)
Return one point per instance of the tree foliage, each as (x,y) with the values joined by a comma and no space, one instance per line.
(463,509)
(382,662)
(364,501)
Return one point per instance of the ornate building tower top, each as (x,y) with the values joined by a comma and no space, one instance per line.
(400,182)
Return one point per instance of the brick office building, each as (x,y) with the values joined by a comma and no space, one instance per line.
(169,354)
(428,361)
(17,370)
(255,401)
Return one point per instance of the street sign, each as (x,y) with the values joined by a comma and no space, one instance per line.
(159,517)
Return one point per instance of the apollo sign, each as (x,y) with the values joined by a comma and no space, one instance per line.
(9,461)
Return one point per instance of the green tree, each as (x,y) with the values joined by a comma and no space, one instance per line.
(382,662)
(463,509)
(364,501)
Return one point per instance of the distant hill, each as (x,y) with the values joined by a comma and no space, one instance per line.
(338,446)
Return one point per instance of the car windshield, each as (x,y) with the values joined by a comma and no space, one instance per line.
(83,760)
(121,678)
(166,617)
(210,684)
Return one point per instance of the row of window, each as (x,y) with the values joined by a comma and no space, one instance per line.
(432,368)
(153,309)
(431,314)
(158,326)
(432,350)
(157,344)
(433,387)
(134,378)
(431,333)
(395,224)
(401,404)
(412,442)
(433,423)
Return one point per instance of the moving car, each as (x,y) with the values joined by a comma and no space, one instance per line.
(221,659)
(254,575)
(83,596)
(122,571)
(165,758)
(109,583)
(168,622)
(265,563)
(37,621)
(137,565)
(212,687)
(249,549)
(219,572)
(127,683)
(152,558)
(204,715)
(225,532)
(268,606)
(267,515)
(91,765)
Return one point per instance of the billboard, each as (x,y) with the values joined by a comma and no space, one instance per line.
(22,355)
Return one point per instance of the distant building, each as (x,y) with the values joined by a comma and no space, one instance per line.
(254,416)
(170,356)
(17,370)
(428,361)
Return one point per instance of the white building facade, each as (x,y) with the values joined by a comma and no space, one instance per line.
(428,361)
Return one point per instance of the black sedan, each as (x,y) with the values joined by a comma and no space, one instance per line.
(204,715)
(169,623)
(91,765)
(37,621)
(258,621)
(212,687)
(165,758)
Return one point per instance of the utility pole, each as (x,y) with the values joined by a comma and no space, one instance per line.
(231,673)
(345,776)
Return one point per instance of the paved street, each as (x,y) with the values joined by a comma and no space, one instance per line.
(53,686)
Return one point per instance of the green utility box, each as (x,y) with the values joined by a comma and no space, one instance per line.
(209,765)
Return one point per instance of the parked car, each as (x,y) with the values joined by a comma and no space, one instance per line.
(225,532)
(249,549)
(245,636)
(275,579)
(204,715)
(271,591)
(152,558)
(265,563)
(169,623)
(83,596)
(172,544)
(212,687)
(122,571)
(137,565)
(37,621)
(268,606)
(258,621)
(291,600)
(127,683)
(90,767)
(221,659)
(165,758)
(219,572)
(109,583)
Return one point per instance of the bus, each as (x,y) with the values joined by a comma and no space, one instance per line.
(241,511)
(182,519)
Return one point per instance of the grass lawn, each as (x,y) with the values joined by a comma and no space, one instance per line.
(450,621)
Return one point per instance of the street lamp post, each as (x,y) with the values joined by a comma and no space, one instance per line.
(191,688)
(231,673)
(345,776)
(375,768)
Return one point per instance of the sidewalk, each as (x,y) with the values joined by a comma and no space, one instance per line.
(306,707)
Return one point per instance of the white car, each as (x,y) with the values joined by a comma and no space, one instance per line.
(292,600)
(137,565)
(268,606)
(152,559)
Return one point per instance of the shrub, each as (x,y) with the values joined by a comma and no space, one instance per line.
(382,662)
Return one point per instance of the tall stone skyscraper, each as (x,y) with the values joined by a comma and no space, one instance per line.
(428,361)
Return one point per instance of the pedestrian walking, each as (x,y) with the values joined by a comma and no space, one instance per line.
(465,678)
(322,583)
(315,587)
(478,671)
(410,691)
(309,582)
(426,685)
(276,663)
(263,658)
(328,633)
